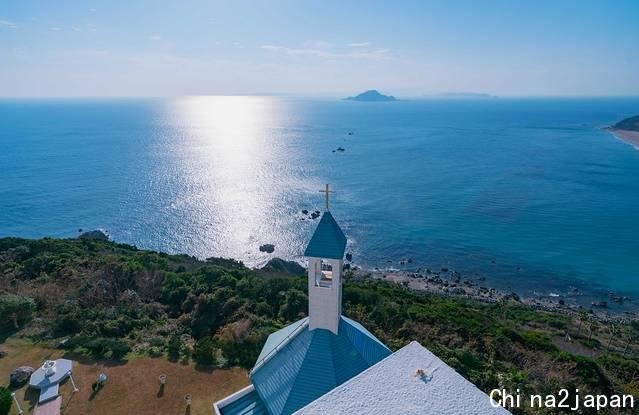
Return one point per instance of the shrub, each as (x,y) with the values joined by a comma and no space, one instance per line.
(5,401)
(100,346)
(295,303)
(15,311)
(174,346)
(204,351)
(537,341)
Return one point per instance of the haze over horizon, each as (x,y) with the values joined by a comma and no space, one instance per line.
(410,49)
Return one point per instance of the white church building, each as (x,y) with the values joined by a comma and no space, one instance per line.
(327,363)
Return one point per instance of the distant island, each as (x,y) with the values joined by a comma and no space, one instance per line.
(627,130)
(371,96)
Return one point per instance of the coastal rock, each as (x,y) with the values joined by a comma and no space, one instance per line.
(617,298)
(268,248)
(19,376)
(349,256)
(304,211)
(315,215)
(282,266)
(513,296)
(96,235)
(2,354)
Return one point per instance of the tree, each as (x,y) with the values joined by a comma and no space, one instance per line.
(15,311)
(5,400)
(295,302)
(204,351)
(174,346)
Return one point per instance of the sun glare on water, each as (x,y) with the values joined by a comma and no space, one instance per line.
(228,162)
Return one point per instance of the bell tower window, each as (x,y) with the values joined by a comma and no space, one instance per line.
(323,274)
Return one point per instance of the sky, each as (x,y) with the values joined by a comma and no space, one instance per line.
(319,48)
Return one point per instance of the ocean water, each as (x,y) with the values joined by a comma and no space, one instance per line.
(528,193)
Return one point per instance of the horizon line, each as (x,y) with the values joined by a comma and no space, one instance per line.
(441,96)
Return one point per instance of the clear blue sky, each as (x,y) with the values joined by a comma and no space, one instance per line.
(155,48)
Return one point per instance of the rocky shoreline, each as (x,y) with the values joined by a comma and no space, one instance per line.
(446,282)
(451,283)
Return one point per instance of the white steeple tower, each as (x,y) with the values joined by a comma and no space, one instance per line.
(325,253)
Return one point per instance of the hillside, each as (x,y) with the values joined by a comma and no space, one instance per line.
(115,301)
(629,124)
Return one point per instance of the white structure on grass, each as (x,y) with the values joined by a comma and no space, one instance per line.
(49,376)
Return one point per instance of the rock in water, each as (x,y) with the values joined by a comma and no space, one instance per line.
(94,236)
(2,354)
(268,248)
(282,266)
(20,375)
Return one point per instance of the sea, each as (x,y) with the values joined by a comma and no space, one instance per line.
(528,194)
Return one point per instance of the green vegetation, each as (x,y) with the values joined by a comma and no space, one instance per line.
(114,301)
(5,401)
(15,311)
(630,124)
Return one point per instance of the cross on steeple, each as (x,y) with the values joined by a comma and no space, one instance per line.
(326,192)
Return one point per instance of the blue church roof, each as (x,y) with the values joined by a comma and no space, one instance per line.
(328,241)
(298,365)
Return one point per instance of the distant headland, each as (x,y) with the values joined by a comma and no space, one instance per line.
(371,96)
(627,130)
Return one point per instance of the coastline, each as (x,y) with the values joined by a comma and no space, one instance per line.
(450,283)
(627,136)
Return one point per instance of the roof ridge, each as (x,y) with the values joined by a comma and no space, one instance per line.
(288,395)
(296,331)
(333,354)
(359,326)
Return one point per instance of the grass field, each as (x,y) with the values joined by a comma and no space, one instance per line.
(132,387)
